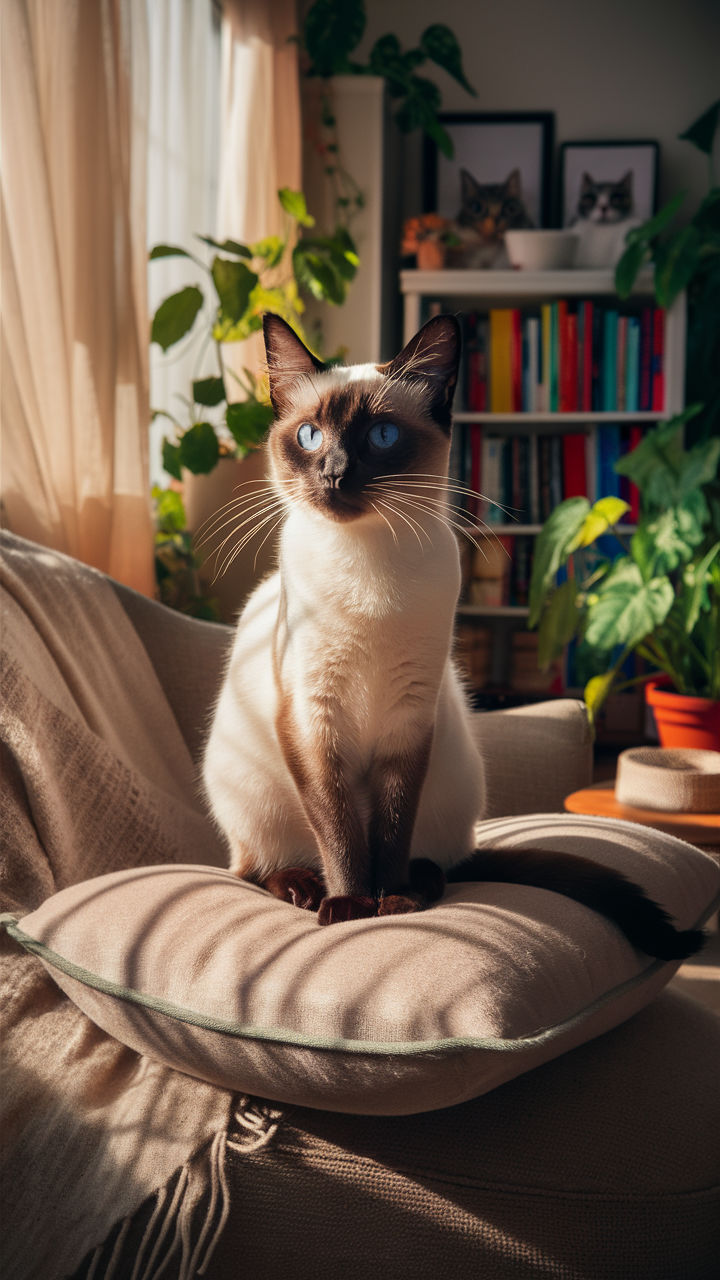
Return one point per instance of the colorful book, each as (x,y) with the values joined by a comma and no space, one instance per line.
(516,360)
(609,361)
(608,444)
(501,386)
(574,465)
(632,369)
(622,331)
(658,352)
(491,472)
(635,435)
(546,338)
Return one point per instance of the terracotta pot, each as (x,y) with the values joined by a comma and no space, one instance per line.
(683,721)
(205,497)
(430,255)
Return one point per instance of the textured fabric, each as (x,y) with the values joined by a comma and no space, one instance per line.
(94,775)
(601,1165)
(682,780)
(534,756)
(75,406)
(218,978)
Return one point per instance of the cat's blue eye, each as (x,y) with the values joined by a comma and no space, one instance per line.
(309,437)
(383,435)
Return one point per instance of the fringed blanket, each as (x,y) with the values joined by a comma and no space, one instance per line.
(95,776)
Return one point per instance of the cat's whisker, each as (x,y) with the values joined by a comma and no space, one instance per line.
(442,516)
(216,523)
(412,524)
(451,485)
(269,509)
(425,502)
(460,512)
(387,522)
(246,538)
(269,534)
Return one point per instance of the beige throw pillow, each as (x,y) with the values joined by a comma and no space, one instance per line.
(213,976)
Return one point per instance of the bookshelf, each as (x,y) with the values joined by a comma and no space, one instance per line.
(494,627)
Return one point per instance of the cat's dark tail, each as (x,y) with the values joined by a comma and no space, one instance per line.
(645,924)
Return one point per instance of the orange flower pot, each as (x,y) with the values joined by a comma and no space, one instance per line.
(683,721)
(430,256)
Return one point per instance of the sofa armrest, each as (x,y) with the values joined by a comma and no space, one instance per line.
(533,756)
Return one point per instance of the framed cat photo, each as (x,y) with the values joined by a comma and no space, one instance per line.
(498,180)
(606,189)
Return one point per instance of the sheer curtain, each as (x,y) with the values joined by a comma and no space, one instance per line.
(261,135)
(74,315)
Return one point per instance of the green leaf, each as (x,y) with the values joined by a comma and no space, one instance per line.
(602,516)
(294,203)
(199,448)
(234,283)
(696,578)
(552,548)
(660,465)
(702,132)
(440,45)
(208,391)
(628,267)
(167,251)
(271,250)
(170,515)
(596,691)
(559,623)
(652,228)
(669,540)
(248,421)
(228,246)
(676,263)
(175,316)
(626,609)
(171,459)
(332,29)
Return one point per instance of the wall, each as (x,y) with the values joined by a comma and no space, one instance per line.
(619,69)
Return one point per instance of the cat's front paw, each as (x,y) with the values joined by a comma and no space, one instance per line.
(346,907)
(298,885)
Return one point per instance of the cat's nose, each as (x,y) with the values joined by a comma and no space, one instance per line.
(334,466)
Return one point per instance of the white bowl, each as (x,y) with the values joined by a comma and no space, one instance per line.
(541,250)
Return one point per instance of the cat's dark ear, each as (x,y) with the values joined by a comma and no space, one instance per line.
(432,358)
(626,182)
(586,184)
(513,185)
(288,360)
(468,186)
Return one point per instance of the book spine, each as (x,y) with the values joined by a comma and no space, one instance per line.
(635,435)
(546,336)
(516,360)
(658,352)
(622,332)
(646,342)
(476,478)
(500,362)
(609,362)
(572,356)
(491,470)
(554,357)
(574,468)
(632,383)
(563,356)
(587,357)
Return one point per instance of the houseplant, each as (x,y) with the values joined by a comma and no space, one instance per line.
(227,414)
(659,597)
(330,35)
(687,256)
(243,281)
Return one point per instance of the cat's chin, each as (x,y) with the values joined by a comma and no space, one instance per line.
(339,507)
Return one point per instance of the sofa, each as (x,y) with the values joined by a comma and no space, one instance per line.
(600,1162)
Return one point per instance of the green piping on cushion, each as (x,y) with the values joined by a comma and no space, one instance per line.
(402,1048)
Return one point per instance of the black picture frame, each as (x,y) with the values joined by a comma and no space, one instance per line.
(490,144)
(607,161)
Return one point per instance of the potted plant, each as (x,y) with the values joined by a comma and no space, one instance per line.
(330,35)
(427,235)
(659,597)
(687,256)
(228,413)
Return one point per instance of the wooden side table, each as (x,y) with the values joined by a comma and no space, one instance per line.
(700,829)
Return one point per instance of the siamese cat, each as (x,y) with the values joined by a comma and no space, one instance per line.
(340,763)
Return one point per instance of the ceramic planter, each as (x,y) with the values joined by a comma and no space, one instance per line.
(683,721)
